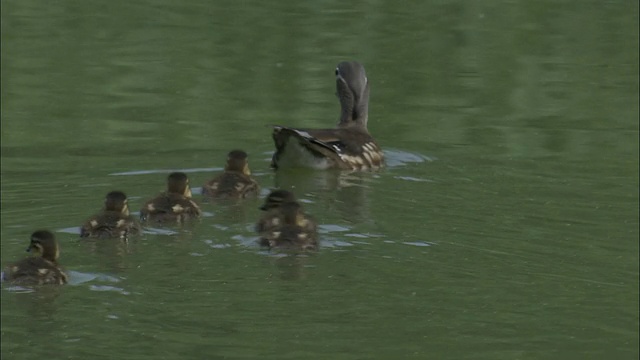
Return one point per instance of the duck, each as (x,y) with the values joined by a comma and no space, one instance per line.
(42,269)
(114,221)
(282,208)
(349,146)
(235,182)
(292,230)
(173,206)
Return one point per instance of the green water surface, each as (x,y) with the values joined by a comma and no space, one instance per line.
(504,227)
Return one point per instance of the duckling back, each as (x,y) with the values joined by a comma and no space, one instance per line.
(35,271)
(231,185)
(110,224)
(170,208)
(235,182)
(290,237)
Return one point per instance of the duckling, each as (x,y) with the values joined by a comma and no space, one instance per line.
(38,270)
(113,221)
(295,230)
(271,207)
(173,206)
(349,146)
(235,182)
(273,217)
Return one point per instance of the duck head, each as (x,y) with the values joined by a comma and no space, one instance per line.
(237,160)
(292,212)
(178,183)
(44,243)
(117,201)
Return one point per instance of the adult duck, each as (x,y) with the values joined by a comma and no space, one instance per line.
(349,146)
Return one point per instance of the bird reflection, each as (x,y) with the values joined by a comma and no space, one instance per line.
(41,306)
(112,254)
(231,211)
(291,267)
(343,192)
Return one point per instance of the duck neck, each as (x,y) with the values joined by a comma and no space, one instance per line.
(355,110)
(50,254)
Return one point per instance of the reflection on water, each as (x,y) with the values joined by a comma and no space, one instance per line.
(348,193)
(290,267)
(159,231)
(109,288)
(395,157)
(329,190)
(42,305)
(112,254)
(78,278)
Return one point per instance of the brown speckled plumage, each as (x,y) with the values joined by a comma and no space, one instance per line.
(174,206)
(235,182)
(114,221)
(42,269)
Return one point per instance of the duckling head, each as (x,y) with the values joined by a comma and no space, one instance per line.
(178,183)
(44,243)
(237,160)
(292,212)
(116,201)
(276,198)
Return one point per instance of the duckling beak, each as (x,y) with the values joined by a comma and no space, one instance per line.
(29,248)
(187,192)
(267,205)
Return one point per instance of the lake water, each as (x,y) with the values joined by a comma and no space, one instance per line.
(504,227)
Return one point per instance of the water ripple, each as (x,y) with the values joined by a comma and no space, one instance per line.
(164,171)
(394,158)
